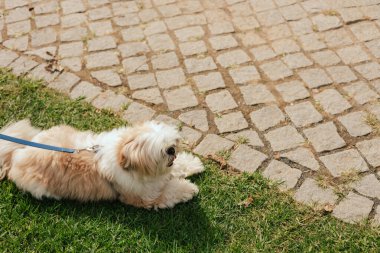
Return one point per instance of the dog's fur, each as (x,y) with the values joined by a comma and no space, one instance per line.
(132,164)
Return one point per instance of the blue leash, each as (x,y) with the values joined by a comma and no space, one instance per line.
(37,145)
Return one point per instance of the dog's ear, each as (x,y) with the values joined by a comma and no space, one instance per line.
(134,156)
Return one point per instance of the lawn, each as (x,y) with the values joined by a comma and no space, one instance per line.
(215,221)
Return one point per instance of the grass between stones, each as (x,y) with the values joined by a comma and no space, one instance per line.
(215,221)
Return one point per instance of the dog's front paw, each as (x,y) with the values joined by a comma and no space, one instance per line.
(186,165)
(177,191)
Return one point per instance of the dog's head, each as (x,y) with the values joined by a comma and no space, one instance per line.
(149,149)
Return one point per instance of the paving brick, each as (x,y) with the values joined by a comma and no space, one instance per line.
(46,53)
(250,137)
(72,20)
(251,38)
(365,31)
(369,149)
(18,28)
(101,43)
(41,73)
(220,101)
(292,91)
(120,8)
(302,156)
(311,42)
(185,20)
(19,44)
(276,70)
(232,58)
(293,12)
(256,94)
(353,209)
(138,113)
(86,90)
(195,118)
(324,137)
(160,42)
(341,74)
(297,60)
(263,53)
(221,28)
(99,13)
(246,159)
(352,54)
(180,98)
(223,42)
(64,82)
(154,28)
(368,186)
(102,59)
(262,5)
(101,28)
(72,6)
(70,49)
(276,32)
(244,74)
(192,48)
(17,14)
(326,22)
(72,34)
(109,100)
(343,162)
(314,77)
(303,114)
(189,33)
(165,61)
(301,27)
(337,38)
(141,81)
(43,37)
(194,65)
(270,18)
(267,117)
(230,122)
(127,19)
(109,77)
(355,124)
(210,81)
(151,96)
(325,58)
(190,136)
(170,78)
(10,4)
(132,49)
(245,23)
(46,7)
(22,65)
(286,176)
(212,144)
(369,70)
(361,92)
(169,10)
(284,138)
(73,63)
(285,46)
(46,20)
(311,194)
(351,14)
(374,47)
(147,15)
(135,64)
(132,34)
(332,101)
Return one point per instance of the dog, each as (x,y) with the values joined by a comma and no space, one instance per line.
(138,165)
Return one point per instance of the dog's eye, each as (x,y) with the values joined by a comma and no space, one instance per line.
(170,151)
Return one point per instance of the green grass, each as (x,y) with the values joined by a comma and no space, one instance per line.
(215,221)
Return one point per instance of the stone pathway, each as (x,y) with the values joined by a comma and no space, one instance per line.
(290,88)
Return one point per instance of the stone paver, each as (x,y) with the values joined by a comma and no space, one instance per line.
(263,74)
(286,176)
(246,159)
(344,162)
(312,194)
(324,137)
(353,209)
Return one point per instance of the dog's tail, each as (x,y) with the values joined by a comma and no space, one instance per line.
(21,129)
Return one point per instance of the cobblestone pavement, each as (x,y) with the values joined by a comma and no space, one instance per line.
(289,88)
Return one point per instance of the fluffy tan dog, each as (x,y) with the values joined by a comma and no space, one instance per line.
(137,165)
